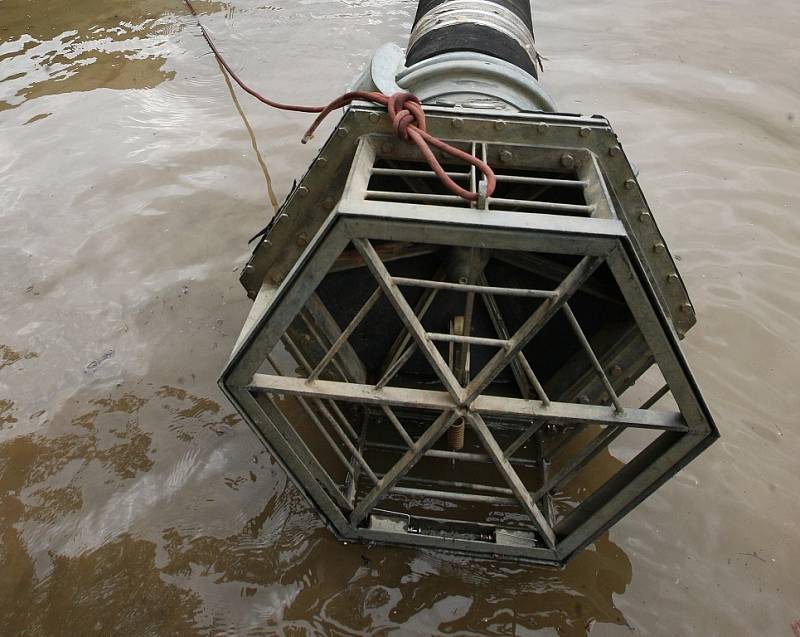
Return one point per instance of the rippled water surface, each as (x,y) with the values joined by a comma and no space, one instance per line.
(133,501)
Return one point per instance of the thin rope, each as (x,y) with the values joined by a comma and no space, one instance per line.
(405,111)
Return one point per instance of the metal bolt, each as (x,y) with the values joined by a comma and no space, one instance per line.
(567,161)
(681,334)
(584,399)
(687,308)
(342,132)
(542,128)
(506,156)
(585,131)
(673,278)
(374,117)
(249,269)
(645,216)
(499,124)
(302,191)
(616,371)
(630,184)
(614,151)
(322,161)
(457,122)
(659,247)
(302,239)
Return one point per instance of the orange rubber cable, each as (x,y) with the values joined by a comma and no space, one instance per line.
(405,111)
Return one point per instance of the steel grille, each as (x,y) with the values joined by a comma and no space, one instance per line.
(434,374)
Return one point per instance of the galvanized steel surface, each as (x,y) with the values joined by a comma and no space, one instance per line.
(135,503)
(359,218)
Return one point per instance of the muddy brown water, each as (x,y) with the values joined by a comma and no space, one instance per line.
(133,501)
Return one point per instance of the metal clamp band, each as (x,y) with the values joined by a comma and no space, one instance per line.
(477,12)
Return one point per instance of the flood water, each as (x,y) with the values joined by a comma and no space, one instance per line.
(133,500)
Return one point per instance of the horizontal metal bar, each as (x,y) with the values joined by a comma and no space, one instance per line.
(501,230)
(389,253)
(451,455)
(430,198)
(455,484)
(480,289)
(541,205)
(470,340)
(512,179)
(383,195)
(401,172)
(542,181)
(452,495)
(556,413)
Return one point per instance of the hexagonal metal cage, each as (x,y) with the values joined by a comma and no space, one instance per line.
(438,374)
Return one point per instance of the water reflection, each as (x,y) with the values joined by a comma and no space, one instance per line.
(9,356)
(70,547)
(49,47)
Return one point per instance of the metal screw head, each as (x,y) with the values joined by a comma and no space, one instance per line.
(249,269)
(500,124)
(585,131)
(457,122)
(630,184)
(659,247)
(645,216)
(302,191)
(321,161)
(275,277)
(542,128)
(302,239)
(614,151)
(687,308)
(616,371)
(506,156)
(673,278)
(342,131)
(567,161)
(374,117)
